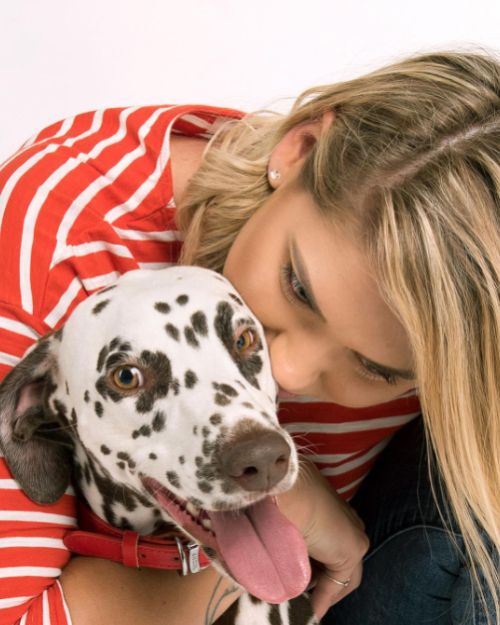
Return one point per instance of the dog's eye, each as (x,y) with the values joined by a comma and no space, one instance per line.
(127,378)
(245,341)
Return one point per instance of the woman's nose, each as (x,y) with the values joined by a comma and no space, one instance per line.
(295,362)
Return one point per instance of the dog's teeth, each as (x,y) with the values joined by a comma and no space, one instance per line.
(193,510)
(207,523)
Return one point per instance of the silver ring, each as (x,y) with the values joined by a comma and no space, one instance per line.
(338,581)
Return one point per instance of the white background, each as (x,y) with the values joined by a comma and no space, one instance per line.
(61,57)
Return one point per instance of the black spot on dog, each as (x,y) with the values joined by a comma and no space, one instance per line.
(66,387)
(207,471)
(100,306)
(236,299)
(106,350)
(205,431)
(190,337)
(105,450)
(182,460)
(208,448)
(98,407)
(274,615)
(158,364)
(199,461)
(205,487)
(105,391)
(199,323)
(116,358)
(108,288)
(175,386)
(172,331)
(101,359)
(182,300)
(249,365)
(221,400)
(86,397)
(215,419)
(144,430)
(120,465)
(162,527)
(266,415)
(173,479)
(125,524)
(153,456)
(195,430)
(226,389)
(247,404)
(162,307)
(159,421)
(122,455)
(125,347)
(114,343)
(190,379)
(73,420)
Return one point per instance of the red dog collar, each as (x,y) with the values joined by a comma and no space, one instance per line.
(99,539)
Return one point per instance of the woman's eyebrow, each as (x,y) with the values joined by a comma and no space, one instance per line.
(303,276)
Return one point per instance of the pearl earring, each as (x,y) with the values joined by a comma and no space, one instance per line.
(274,175)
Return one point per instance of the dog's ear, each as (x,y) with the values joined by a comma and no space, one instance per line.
(38,455)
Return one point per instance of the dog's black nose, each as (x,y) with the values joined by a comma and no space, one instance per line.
(257,460)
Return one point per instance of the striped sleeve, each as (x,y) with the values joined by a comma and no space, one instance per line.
(32,552)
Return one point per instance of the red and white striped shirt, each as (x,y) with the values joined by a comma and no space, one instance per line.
(84,201)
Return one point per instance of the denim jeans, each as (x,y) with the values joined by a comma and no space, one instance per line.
(414,573)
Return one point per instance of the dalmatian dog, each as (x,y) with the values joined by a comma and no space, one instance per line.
(156,397)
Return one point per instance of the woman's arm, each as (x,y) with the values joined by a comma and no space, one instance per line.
(333,532)
(100,592)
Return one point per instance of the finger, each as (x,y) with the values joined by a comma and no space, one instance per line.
(328,592)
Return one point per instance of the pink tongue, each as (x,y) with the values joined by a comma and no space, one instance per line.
(263,551)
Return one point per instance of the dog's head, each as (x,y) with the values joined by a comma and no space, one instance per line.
(162,384)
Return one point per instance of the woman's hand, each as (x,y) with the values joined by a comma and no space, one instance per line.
(333,532)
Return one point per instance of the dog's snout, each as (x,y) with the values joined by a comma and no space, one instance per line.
(257,461)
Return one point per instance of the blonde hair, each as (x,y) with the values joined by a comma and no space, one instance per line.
(413,158)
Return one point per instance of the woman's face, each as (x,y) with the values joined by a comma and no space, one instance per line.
(329,332)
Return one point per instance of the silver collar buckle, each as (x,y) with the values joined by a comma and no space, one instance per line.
(190,562)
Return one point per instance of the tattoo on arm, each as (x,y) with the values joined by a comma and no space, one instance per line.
(215,601)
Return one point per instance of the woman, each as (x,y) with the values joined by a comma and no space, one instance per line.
(363,230)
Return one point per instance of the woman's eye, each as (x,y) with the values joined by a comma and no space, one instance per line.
(245,341)
(293,285)
(127,378)
(373,372)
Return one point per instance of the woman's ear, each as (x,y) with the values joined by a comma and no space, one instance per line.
(291,151)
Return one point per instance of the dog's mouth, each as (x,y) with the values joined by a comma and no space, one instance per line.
(195,521)
(258,546)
